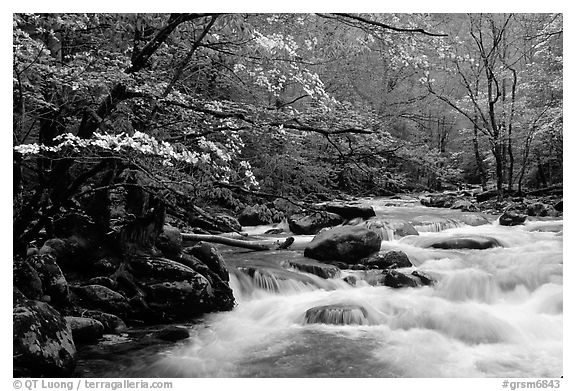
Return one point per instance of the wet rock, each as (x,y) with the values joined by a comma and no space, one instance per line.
(510,218)
(227,222)
(337,314)
(389,260)
(424,278)
(465,242)
(255,215)
(102,298)
(311,224)
(211,257)
(111,323)
(172,333)
(181,299)
(309,266)
(54,283)
(170,242)
(438,200)
(149,269)
(540,209)
(395,279)
(84,329)
(350,280)
(350,211)
(42,341)
(26,279)
(346,244)
(176,291)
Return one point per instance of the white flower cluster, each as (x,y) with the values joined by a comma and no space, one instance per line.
(139,142)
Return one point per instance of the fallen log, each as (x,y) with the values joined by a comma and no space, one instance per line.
(224,240)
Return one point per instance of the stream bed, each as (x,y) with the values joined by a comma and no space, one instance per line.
(495,312)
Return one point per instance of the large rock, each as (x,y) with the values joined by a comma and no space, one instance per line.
(347,244)
(170,241)
(439,200)
(337,314)
(510,218)
(111,323)
(26,279)
(310,266)
(540,209)
(255,215)
(350,211)
(209,255)
(176,291)
(54,283)
(311,224)
(465,242)
(42,341)
(102,298)
(84,329)
(389,260)
(395,279)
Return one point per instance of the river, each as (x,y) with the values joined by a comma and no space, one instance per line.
(492,313)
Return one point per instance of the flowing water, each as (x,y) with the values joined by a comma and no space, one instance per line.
(495,312)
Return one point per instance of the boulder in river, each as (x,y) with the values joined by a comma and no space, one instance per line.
(346,244)
(510,218)
(337,314)
(42,341)
(389,260)
(348,211)
(465,242)
(102,298)
(258,215)
(396,279)
(84,329)
(438,200)
(176,291)
(311,224)
(540,209)
(111,323)
(209,255)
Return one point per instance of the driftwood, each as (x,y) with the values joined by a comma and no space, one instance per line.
(227,241)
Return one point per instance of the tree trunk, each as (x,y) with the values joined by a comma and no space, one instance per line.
(227,241)
(479,162)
